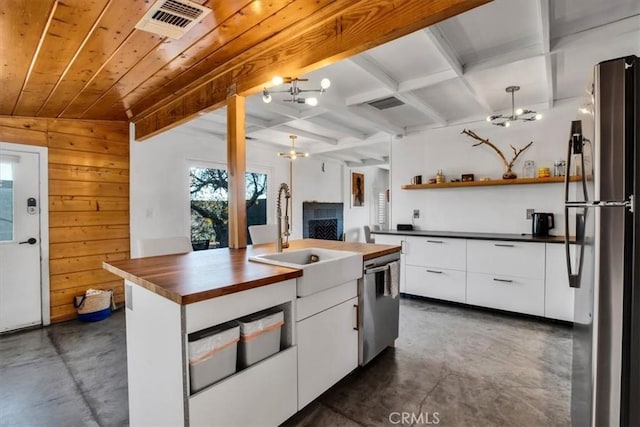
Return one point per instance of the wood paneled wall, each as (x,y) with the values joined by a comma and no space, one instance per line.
(88,202)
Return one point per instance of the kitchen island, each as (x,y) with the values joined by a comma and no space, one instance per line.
(169,297)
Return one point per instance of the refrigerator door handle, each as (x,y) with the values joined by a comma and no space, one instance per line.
(629,204)
(574,279)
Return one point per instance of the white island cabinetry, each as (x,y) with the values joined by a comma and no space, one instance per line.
(327,339)
(158,366)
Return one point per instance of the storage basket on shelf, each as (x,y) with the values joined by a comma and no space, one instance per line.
(94,305)
(212,354)
(259,336)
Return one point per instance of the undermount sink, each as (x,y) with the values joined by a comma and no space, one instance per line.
(321,268)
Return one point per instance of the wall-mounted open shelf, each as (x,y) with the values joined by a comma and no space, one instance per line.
(517,181)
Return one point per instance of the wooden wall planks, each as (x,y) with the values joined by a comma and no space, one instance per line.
(88,202)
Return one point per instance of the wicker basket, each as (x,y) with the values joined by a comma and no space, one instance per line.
(94,305)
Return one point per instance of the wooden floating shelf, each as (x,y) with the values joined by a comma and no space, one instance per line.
(517,181)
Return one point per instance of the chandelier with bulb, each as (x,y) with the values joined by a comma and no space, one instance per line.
(294,90)
(292,154)
(516,114)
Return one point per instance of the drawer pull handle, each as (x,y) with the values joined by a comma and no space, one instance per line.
(434,271)
(435,241)
(495,279)
(502,245)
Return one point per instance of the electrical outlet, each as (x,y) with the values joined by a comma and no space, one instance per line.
(416,213)
(530,213)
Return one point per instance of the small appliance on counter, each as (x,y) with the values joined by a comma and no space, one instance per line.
(542,223)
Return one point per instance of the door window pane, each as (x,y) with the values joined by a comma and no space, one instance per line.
(6,201)
(209,205)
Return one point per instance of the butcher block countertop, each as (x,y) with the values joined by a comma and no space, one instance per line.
(201,275)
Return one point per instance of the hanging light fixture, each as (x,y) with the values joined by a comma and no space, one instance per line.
(519,114)
(295,91)
(292,154)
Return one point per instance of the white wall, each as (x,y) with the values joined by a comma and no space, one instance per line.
(159,183)
(498,209)
(375,180)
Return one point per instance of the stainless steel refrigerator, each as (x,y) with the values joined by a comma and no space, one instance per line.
(602,214)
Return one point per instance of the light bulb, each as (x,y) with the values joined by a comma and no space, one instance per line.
(325,83)
(507,124)
(538,116)
(306,154)
(277,80)
(519,112)
(292,152)
(583,110)
(266,97)
(311,101)
(293,157)
(489,118)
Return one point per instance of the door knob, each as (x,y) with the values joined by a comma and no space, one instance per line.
(30,240)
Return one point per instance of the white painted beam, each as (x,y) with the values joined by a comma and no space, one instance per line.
(450,56)
(417,103)
(300,132)
(426,81)
(544,26)
(337,127)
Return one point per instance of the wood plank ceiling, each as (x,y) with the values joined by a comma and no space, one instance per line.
(84,59)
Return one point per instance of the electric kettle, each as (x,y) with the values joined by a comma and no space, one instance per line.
(542,223)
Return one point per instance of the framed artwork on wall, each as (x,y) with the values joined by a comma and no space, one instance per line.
(357,190)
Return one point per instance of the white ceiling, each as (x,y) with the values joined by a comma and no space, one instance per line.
(451,73)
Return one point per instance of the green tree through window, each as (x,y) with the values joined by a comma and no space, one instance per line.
(210,209)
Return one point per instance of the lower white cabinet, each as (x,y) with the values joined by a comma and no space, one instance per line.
(436,283)
(263,394)
(519,294)
(327,349)
(558,300)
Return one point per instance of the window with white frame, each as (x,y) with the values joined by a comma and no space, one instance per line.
(209,206)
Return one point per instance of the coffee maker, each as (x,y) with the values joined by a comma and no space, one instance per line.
(542,223)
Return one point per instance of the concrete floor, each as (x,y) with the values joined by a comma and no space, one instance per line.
(452,366)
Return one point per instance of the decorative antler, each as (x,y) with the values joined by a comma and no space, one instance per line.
(507,165)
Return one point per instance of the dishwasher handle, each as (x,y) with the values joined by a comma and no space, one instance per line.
(376,269)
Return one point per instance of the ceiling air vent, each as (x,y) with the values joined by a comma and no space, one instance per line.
(172,18)
(383,104)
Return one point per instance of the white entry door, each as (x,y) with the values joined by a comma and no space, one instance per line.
(20,286)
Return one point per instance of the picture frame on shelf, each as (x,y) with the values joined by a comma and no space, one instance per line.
(467,177)
(357,190)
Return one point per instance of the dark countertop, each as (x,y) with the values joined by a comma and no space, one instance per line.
(201,275)
(477,236)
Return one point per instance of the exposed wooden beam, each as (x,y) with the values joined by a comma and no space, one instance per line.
(357,26)
(236,166)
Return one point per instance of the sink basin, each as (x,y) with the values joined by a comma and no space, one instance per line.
(321,268)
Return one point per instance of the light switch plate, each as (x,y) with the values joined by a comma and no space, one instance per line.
(416,213)
(530,213)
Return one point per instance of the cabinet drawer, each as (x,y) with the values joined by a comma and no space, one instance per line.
(436,283)
(558,299)
(436,252)
(263,394)
(510,293)
(518,259)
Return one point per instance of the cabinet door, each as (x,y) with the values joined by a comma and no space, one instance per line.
(518,294)
(520,259)
(327,350)
(558,301)
(390,239)
(449,285)
(437,252)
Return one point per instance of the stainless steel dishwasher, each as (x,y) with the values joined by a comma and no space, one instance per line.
(377,314)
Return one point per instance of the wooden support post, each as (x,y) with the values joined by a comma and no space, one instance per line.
(236,165)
